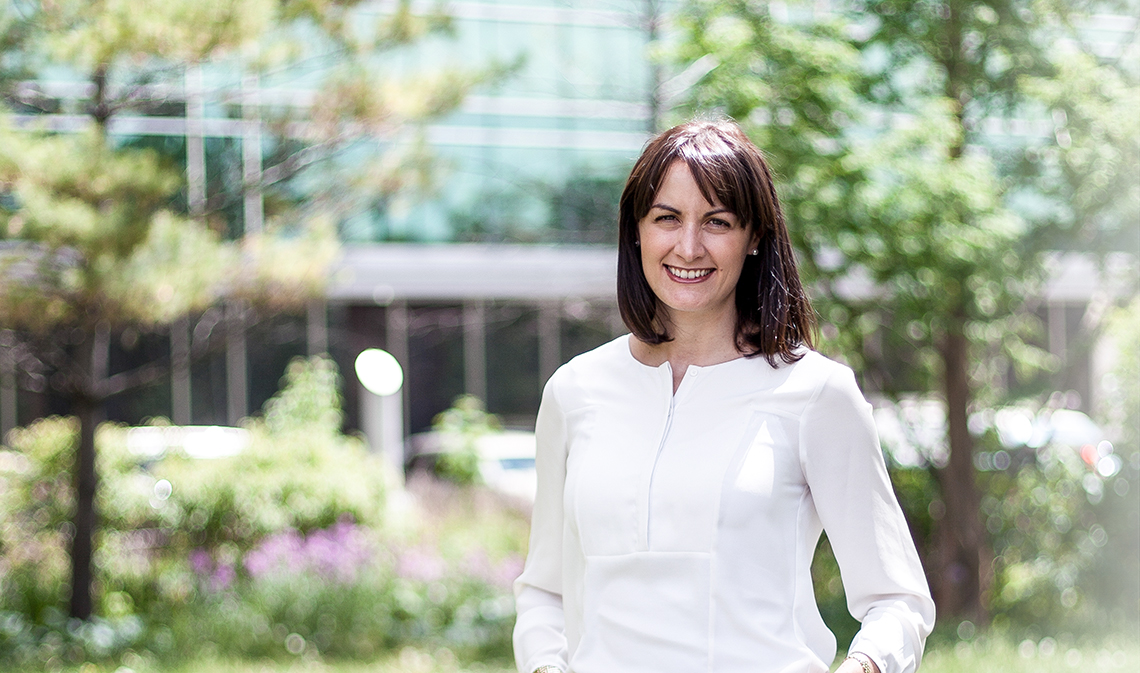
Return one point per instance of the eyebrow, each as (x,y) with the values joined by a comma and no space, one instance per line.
(714,211)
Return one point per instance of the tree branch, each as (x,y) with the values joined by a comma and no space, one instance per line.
(134,378)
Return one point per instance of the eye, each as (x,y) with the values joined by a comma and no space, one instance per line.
(717,223)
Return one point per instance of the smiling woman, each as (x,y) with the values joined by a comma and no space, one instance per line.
(712,172)
(692,252)
(684,481)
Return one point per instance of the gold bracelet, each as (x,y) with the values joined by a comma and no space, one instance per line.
(548,669)
(863,660)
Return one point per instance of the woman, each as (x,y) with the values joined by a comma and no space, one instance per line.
(685,471)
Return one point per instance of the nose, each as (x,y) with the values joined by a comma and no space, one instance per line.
(690,245)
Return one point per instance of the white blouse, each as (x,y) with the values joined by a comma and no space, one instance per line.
(674,533)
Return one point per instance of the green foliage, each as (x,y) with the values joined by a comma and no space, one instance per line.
(997,651)
(460,428)
(1045,538)
(1124,410)
(37,500)
(830,597)
(922,236)
(281,550)
(298,472)
(1086,173)
(99,236)
(308,401)
(1116,571)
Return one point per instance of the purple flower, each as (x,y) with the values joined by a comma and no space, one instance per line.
(222,577)
(200,562)
(477,565)
(335,553)
(420,564)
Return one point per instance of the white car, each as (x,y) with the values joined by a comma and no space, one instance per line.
(506,459)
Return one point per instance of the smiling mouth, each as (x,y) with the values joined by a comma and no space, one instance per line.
(687,274)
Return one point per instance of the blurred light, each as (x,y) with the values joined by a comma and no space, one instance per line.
(1088,454)
(196,441)
(379,372)
(1062,523)
(1093,487)
(1074,428)
(1109,465)
(1014,426)
(1027,649)
(162,489)
(1121,487)
(214,441)
(966,630)
(295,643)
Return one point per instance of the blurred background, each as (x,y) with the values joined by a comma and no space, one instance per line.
(281,282)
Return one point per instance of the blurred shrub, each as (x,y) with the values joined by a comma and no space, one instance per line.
(1061,521)
(277,551)
(345,592)
(460,428)
(1046,512)
(1115,576)
(298,473)
(1045,537)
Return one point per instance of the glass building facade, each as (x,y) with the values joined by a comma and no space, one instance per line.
(529,166)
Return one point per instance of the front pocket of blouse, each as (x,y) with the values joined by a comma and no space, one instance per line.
(645,612)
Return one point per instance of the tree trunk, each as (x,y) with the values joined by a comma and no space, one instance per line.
(86,482)
(88,405)
(962,571)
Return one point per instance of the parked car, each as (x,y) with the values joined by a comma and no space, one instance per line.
(506,459)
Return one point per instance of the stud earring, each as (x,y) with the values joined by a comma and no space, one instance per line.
(755,252)
(637,244)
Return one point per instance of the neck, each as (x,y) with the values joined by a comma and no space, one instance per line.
(699,342)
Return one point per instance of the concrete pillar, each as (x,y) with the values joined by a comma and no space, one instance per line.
(1058,329)
(8,401)
(180,401)
(237,369)
(475,349)
(396,343)
(317,327)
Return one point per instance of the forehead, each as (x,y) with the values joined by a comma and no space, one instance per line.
(680,180)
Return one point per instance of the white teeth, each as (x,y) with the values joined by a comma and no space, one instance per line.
(689,274)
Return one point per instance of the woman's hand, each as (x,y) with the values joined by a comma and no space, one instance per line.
(857,662)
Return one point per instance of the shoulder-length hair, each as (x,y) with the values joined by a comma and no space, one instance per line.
(774,317)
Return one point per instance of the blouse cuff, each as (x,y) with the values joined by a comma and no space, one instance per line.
(889,642)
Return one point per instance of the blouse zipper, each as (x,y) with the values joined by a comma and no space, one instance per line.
(653,471)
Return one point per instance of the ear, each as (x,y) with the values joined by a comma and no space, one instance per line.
(755,238)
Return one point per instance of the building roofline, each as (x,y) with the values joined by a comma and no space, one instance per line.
(384,272)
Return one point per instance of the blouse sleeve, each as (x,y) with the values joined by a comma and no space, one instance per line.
(539,635)
(882,576)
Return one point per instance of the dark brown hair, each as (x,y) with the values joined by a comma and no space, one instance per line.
(773,314)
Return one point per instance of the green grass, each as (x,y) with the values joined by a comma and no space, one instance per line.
(1044,656)
(981,656)
(407,660)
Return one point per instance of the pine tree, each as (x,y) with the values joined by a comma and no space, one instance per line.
(99,235)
